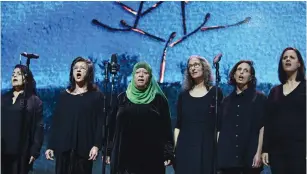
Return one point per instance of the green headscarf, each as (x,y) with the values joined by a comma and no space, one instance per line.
(137,96)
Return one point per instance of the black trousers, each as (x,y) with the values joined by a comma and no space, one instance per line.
(281,164)
(240,170)
(71,163)
(15,164)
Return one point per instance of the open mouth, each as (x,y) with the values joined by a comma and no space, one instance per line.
(78,75)
(288,64)
(241,78)
(141,80)
(15,80)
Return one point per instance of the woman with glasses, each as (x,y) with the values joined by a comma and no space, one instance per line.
(194,132)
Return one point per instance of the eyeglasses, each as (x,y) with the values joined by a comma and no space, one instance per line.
(195,65)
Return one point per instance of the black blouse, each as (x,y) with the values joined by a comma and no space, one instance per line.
(241,119)
(19,134)
(77,123)
(285,123)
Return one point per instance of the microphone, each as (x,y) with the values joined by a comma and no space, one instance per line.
(30,55)
(106,70)
(217,58)
(114,66)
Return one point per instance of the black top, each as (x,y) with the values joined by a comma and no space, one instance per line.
(240,122)
(77,123)
(19,134)
(285,125)
(195,144)
(140,136)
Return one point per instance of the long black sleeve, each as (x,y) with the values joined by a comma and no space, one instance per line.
(38,130)
(167,129)
(179,111)
(266,122)
(99,121)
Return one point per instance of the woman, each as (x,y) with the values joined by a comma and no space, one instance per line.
(22,129)
(141,127)
(241,123)
(195,128)
(285,125)
(76,130)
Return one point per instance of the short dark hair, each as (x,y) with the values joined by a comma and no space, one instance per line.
(301,70)
(252,83)
(89,77)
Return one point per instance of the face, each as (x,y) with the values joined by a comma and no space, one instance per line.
(79,71)
(290,61)
(18,78)
(195,68)
(243,74)
(141,78)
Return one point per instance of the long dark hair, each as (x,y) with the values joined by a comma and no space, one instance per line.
(89,77)
(29,80)
(282,75)
(252,83)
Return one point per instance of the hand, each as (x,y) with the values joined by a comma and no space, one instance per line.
(31,159)
(93,153)
(167,163)
(257,161)
(108,161)
(265,158)
(49,154)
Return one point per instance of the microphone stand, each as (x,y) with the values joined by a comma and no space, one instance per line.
(104,127)
(217,80)
(23,133)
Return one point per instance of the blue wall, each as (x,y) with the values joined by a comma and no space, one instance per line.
(61,31)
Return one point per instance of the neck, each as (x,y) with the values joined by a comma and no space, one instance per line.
(199,83)
(291,77)
(18,89)
(81,87)
(240,88)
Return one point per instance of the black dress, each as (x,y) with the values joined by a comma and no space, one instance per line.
(76,128)
(285,130)
(21,135)
(196,121)
(142,136)
(240,122)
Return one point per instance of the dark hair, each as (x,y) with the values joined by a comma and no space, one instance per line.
(29,79)
(89,77)
(188,82)
(252,83)
(282,75)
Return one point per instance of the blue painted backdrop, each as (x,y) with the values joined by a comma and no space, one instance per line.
(61,31)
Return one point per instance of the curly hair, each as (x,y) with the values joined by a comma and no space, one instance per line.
(252,83)
(188,82)
(300,72)
(89,77)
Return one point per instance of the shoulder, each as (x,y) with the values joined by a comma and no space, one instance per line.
(260,95)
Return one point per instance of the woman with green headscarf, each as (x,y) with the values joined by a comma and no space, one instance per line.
(140,127)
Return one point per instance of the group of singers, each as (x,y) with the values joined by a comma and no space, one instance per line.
(252,129)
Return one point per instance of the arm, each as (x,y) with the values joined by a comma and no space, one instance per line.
(99,121)
(179,117)
(111,124)
(219,112)
(260,141)
(38,130)
(167,130)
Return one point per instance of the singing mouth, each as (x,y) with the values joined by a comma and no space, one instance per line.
(288,64)
(241,78)
(141,80)
(15,80)
(78,75)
